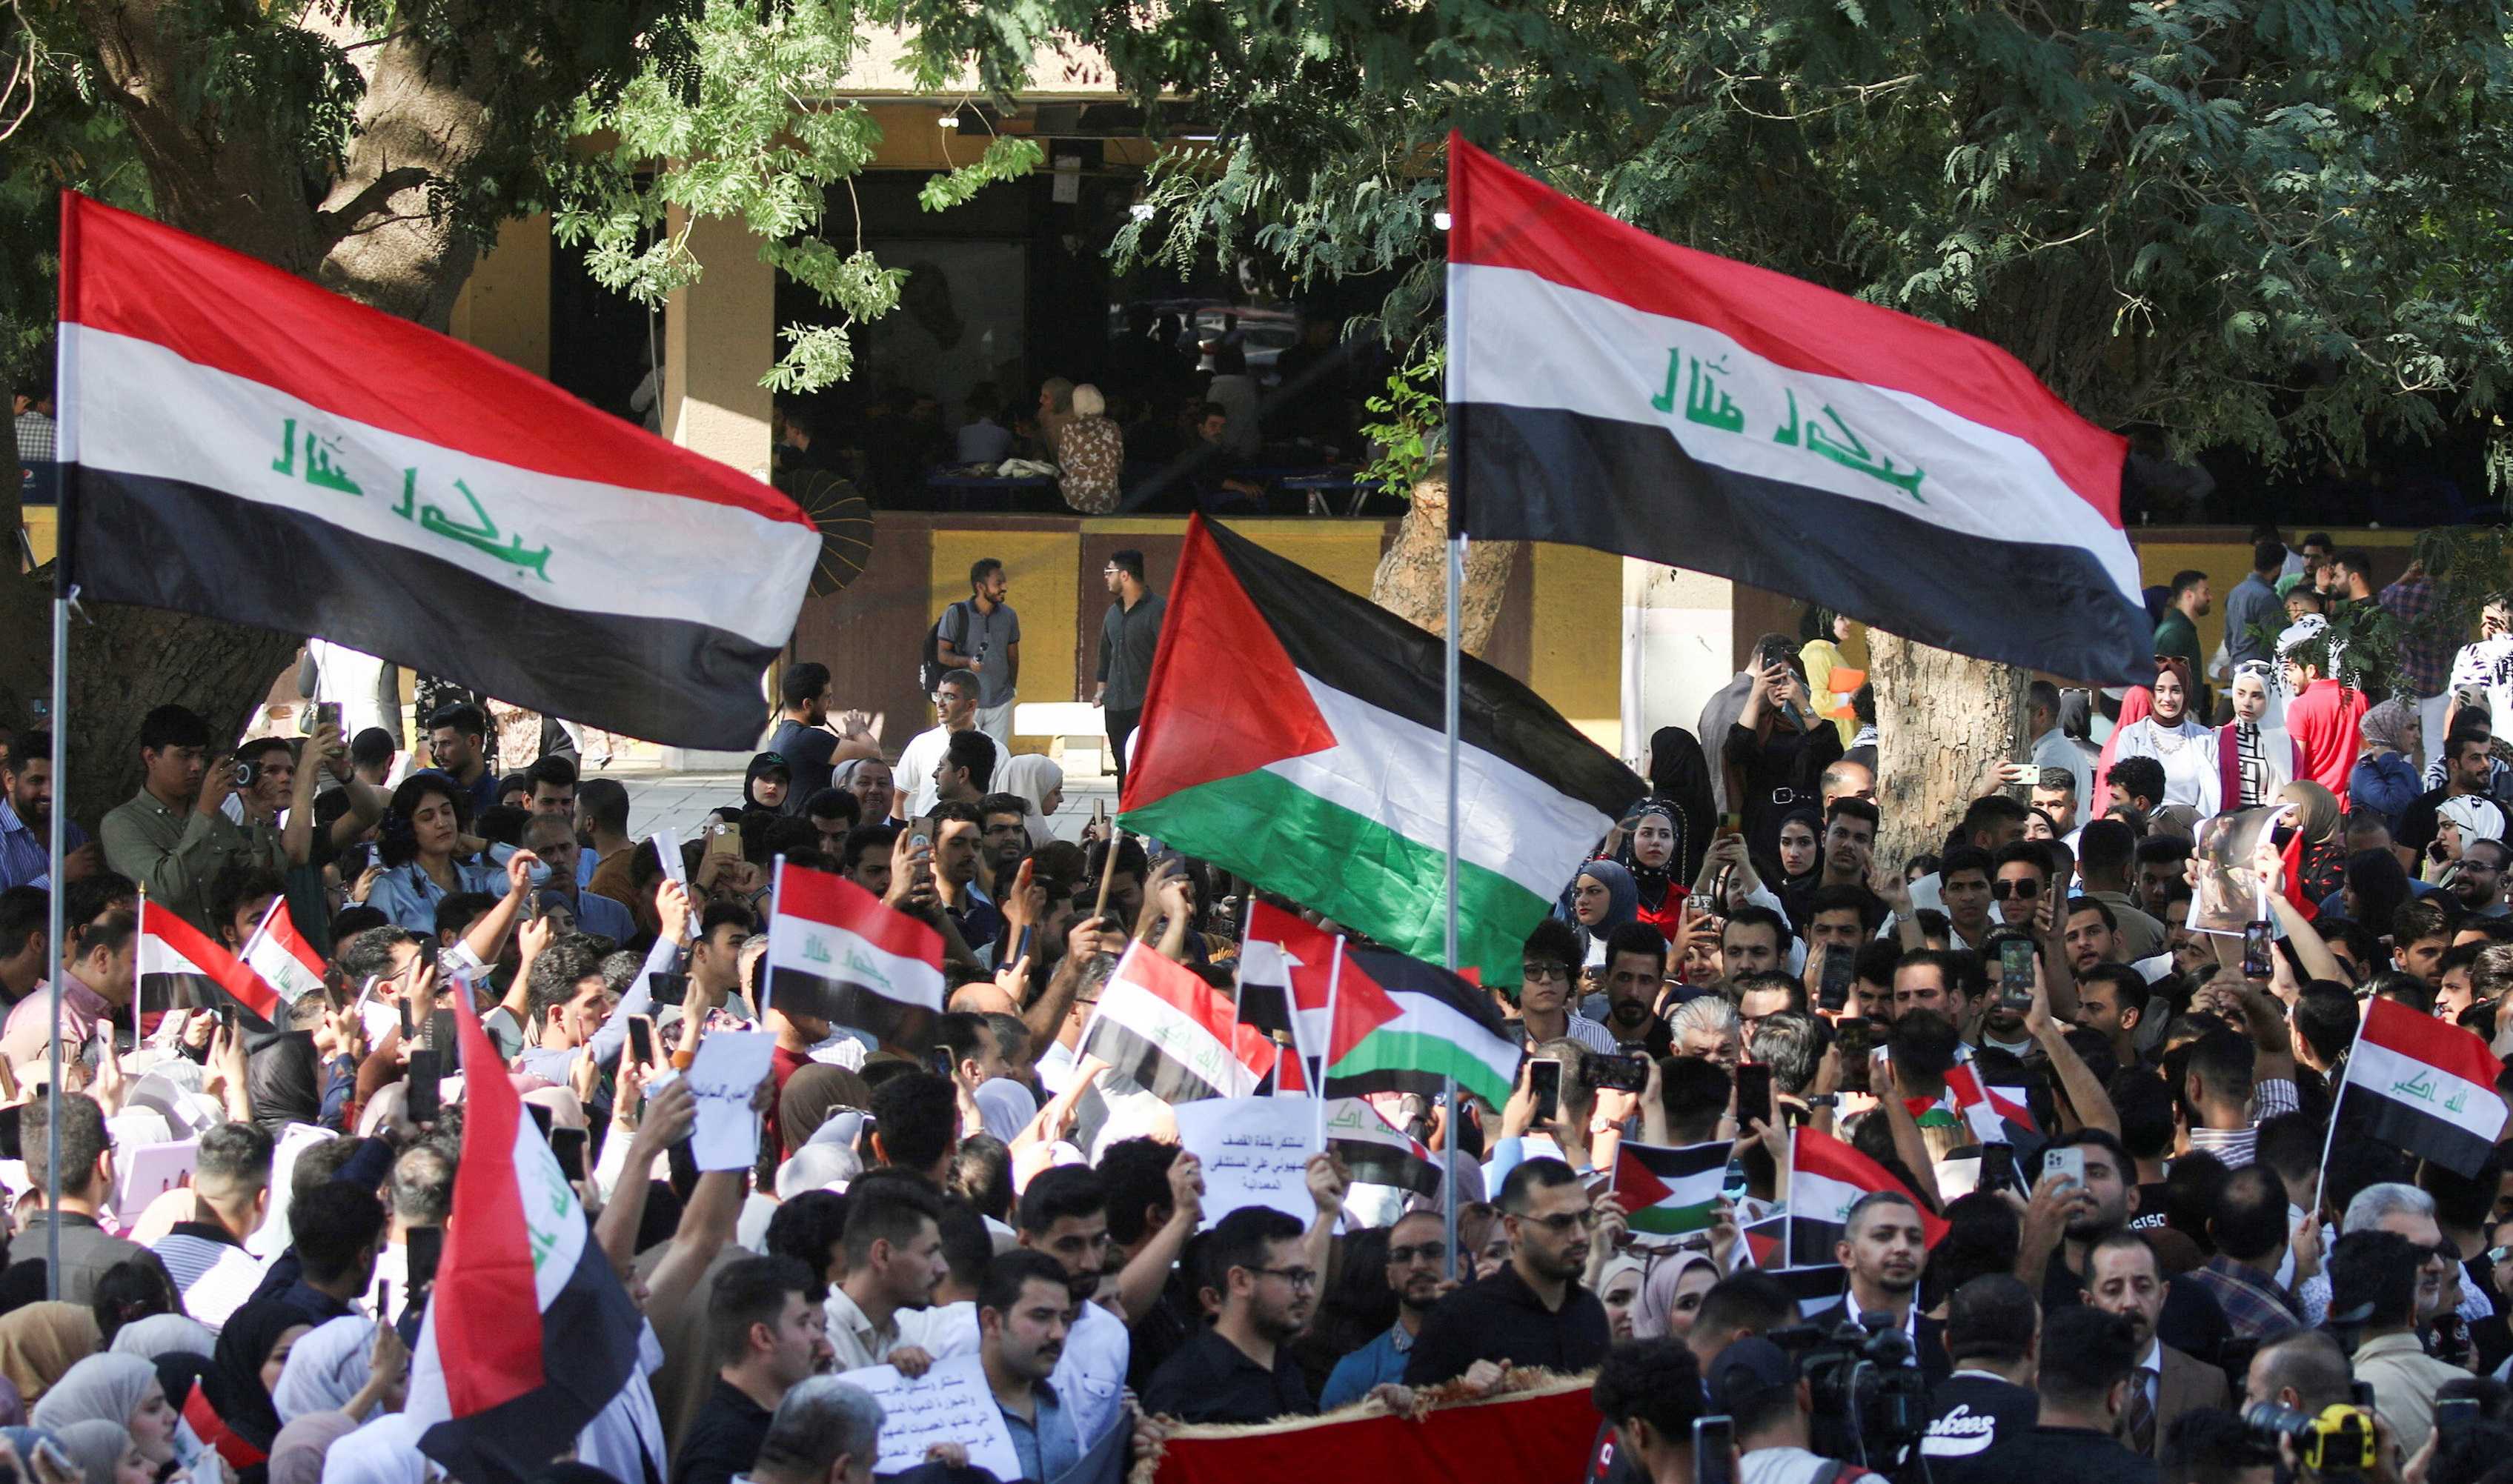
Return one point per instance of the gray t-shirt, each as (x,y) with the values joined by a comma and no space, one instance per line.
(986,637)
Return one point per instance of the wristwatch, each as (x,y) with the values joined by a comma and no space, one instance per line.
(1821,1099)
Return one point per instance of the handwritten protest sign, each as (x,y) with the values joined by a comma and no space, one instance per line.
(949,1403)
(723,1077)
(1255,1151)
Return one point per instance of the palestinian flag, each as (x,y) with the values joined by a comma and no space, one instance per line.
(503,1386)
(1668,1191)
(1402,1026)
(1376,1150)
(1613,390)
(1287,974)
(1767,1241)
(836,954)
(178,963)
(1995,1117)
(281,956)
(1293,732)
(240,443)
(2423,1084)
(1174,1033)
(1827,1178)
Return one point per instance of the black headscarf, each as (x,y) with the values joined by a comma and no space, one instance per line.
(1649,883)
(1680,777)
(235,1386)
(762,765)
(285,1079)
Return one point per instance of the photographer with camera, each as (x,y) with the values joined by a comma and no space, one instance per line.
(1993,1332)
(1758,1386)
(2297,1398)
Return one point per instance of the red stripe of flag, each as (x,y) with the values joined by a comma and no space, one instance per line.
(2439,1043)
(211,962)
(217,308)
(837,901)
(1819,1153)
(1501,219)
(1181,990)
(2292,879)
(485,1305)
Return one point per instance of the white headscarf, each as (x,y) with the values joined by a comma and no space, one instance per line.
(96,1446)
(105,1389)
(1033,776)
(384,1451)
(817,1166)
(162,1334)
(326,1368)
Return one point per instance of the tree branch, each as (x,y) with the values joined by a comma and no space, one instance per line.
(338,224)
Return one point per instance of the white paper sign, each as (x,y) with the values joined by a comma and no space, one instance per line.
(1255,1151)
(950,1403)
(149,1170)
(271,1237)
(668,841)
(723,1077)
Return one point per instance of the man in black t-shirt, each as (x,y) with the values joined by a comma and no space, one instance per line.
(1992,1325)
(2084,1379)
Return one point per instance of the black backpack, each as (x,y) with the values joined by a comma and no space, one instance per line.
(929,673)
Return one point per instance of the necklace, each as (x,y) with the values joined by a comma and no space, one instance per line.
(2166,742)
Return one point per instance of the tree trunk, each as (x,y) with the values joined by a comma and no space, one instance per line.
(1943,722)
(1412,580)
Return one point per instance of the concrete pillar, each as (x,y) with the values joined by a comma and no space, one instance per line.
(1676,638)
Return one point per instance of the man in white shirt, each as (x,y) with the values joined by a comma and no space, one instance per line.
(2052,747)
(232,1196)
(955,709)
(1065,1213)
(894,1241)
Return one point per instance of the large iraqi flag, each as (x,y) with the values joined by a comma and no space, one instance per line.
(529,1333)
(2425,1084)
(240,443)
(1609,389)
(1293,732)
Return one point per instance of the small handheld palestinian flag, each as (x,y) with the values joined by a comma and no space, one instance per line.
(1668,1191)
(1293,732)
(1613,390)
(281,956)
(836,954)
(2425,1084)
(175,957)
(1174,1033)
(1827,1178)
(529,1333)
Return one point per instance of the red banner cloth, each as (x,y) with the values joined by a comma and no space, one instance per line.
(1540,1437)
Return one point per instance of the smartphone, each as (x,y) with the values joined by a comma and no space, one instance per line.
(227,1019)
(723,839)
(668,988)
(2016,974)
(2455,1415)
(445,1040)
(1832,991)
(427,1070)
(1544,1083)
(920,841)
(1998,1167)
(2361,1392)
(2067,1163)
(944,1066)
(1714,1449)
(1856,1039)
(1753,1093)
(426,1245)
(568,1143)
(314,714)
(2256,948)
(1619,1074)
(540,1118)
(402,1008)
(9,1146)
(384,1301)
(641,1040)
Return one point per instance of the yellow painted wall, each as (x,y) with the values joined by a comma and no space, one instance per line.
(1039,567)
(2227,563)
(1575,644)
(504,307)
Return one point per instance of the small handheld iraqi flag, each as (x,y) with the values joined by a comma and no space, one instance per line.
(281,956)
(836,954)
(529,1333)
(1669,1192)
(1827,1178)
(1174,1033)
(1994,1116)
(2425,1084)
(174,954)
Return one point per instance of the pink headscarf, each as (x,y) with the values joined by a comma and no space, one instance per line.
(1658,1292)
(297,1454)
(2135,707)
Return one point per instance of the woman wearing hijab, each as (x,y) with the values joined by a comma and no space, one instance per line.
(1602,899)
(122,1389)
(349,1365)
(2384,780)
(2324,847)
(39,1341)
(1040,783)
(1092,452)
(284,1078)
(768,785)
(1679,778)
(1619,1288)
(1671,1296)
(812,1096)
(252,1354)
(1801,858)
(2254,756)
(297,1455)
(2186,748)
(161,1335)
(1648,856)
(2459,822)
(103,1454)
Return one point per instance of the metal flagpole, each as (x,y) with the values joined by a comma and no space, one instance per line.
(1457,581)
(1326,1053)
(60,814)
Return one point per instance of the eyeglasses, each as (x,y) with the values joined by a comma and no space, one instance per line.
(1564,1222)
(2494,1254)
(1297,1277)
(1426,1252)
(2026,889)
(1536,971)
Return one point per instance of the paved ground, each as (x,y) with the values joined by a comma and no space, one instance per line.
(657,799)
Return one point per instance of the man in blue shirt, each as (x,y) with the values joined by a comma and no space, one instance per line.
(1023,1314)
(2254,601)
(1417,1268)
(26,819)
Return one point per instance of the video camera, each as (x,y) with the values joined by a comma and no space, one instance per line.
(2338,1441)
(1871,1404)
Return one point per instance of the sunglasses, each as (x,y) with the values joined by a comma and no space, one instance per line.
(2025,889)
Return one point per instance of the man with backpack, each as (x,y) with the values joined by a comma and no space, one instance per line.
(981,636)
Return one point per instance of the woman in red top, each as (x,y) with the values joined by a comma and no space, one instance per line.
(1648,853)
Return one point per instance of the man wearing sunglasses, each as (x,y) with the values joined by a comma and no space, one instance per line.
(1534,1312)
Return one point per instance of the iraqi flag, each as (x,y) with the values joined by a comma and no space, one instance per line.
(501,1385)
(1293,733)
(240,443)
(1174,1033)
(281,956)
(1378,1152)
(1668,1191)
(2425,1084)
(1827,1178)
(1609,389)
(178,963)
(835,952)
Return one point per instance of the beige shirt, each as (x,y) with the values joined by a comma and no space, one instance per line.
(2405,1378)
(175,854)
(854,1338)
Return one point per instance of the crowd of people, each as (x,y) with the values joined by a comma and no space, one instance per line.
(2181,1263)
